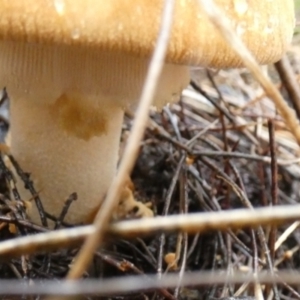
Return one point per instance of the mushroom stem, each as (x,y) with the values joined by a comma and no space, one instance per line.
(63,163)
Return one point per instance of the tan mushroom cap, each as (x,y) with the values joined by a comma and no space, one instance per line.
(266,26)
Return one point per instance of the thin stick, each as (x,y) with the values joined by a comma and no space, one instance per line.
(274,186)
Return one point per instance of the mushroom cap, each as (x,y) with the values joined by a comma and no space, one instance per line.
(266,27)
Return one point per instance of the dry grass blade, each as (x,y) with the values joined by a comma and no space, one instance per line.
(222,24)
(286,234)
(289,80)
(191,223)
(208,221)
(131,284)
(127,162)
(46,241)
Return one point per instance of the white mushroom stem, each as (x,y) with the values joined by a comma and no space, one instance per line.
(60,163)
(66,117)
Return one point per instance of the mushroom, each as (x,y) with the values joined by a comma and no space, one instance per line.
(71,67)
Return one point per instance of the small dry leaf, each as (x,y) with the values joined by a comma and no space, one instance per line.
(190,160)
(171,260)
(12,228)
